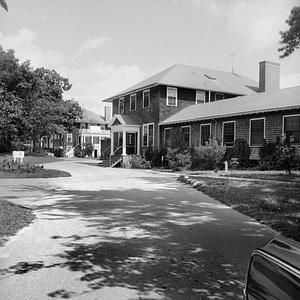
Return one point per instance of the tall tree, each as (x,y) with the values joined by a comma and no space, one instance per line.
(31,102)
(290,39)
(3,4)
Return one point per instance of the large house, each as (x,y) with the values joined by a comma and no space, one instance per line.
(90,129)
(204,104)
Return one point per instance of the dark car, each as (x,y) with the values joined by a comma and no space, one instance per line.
(274,271)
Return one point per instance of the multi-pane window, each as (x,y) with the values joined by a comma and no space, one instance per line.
(146,98)
(148,135)
(291,128)
(69,137)
(200,97)
(228,133)
(121,106)
(186,134)
(257,132)
(95,139)
(171,96)
(219,96)
(168,132)
(205,134)
(132,102)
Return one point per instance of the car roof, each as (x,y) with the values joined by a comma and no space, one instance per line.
(284,249)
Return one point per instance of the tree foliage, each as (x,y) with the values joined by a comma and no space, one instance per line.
(3,4)
(31,102)
(290,39)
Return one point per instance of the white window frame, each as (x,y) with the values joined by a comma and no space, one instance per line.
(121,99)
(202,125)
(219,94)
(255,119)
(147,125)
(69,135)
(144,92)
(203,93)
(234,128)
(176,98)
(190,137)
(131,97)
(286,116)
(167,128)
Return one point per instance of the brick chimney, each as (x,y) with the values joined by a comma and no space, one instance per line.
(107,113)
(269,75)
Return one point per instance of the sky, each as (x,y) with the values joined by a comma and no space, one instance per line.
(105,46)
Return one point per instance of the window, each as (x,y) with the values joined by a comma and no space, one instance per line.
(205,133)
(95,139)
(186,133)
(88,139)
(171,96)
(167,136)
(291,128)
(69,137)
(228,133)
(146,98)
(200,97)
(257,132)
(121,106)
(132,102)
(219,96)
(148,135)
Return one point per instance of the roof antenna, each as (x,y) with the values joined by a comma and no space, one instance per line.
(232,58)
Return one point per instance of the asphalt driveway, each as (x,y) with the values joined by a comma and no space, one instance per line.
(124,234)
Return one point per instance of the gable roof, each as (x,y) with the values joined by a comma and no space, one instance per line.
(262,102)
(193,77)
(123,120)
(91,117)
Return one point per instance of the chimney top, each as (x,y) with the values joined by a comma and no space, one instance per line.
(269,76)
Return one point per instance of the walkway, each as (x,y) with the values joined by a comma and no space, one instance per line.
(124,234)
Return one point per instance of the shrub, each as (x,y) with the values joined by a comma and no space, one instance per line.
(208,157)
(241,151)
(17,167)
(138,162)
(155,156)
(268,156)
(286,158)
(179,160)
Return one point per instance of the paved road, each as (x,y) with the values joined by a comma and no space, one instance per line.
(124,234)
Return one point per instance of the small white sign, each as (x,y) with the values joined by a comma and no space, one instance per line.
(18,155)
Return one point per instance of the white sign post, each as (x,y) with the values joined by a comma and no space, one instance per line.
(18,155)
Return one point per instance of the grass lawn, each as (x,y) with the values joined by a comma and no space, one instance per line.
(278,177)
(271,203)
(35,159)
(13,218)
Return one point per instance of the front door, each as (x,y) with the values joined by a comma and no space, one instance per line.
(131,143)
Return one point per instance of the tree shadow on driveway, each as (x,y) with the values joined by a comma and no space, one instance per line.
(166,239)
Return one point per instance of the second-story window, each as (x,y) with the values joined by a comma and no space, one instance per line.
(69,137)
(200,97)
(146,98)
(132,102)
(171,96)
(219,96)
(121,106)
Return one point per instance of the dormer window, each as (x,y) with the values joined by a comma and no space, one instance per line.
(146,98)
(171,96)
(121,106)
(200,97)
(219,96)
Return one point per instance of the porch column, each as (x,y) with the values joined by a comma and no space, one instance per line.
(111,142)
(124,143)
(138,143)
